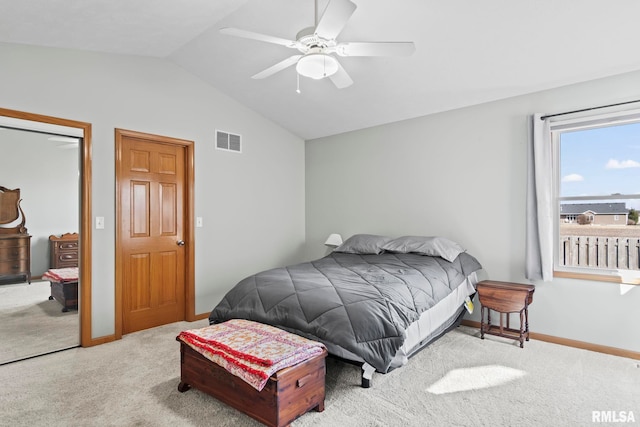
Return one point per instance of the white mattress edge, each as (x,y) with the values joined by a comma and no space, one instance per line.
(434,318)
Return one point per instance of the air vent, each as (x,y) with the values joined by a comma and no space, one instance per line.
(228,141)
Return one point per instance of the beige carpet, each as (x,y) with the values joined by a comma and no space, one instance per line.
(459,380)
(31,324)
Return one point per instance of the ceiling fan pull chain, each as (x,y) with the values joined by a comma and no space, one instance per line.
(298,85)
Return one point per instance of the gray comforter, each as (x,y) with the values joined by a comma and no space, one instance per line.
(362,303)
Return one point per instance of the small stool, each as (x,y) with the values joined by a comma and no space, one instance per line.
(505,298)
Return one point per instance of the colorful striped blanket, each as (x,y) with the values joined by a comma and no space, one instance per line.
(61,275)
(250,350)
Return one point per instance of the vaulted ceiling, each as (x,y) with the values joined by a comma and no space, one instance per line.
(467,51)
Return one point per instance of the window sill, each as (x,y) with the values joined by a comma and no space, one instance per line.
(612,278)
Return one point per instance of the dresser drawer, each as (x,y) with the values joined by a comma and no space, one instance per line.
(15,252)
(66,246)
(69,259)
(14,267)
(14,242)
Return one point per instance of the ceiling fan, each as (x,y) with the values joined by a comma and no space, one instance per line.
(317,44)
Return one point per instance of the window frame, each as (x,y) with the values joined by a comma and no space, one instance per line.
(585,122)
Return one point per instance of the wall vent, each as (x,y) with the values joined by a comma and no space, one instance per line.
(228,141)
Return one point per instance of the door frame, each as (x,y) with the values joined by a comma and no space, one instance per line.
(84,253)
(190,306)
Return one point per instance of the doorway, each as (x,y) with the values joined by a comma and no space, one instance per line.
(154,237)
(69,142)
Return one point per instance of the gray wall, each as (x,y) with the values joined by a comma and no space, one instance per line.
(252,204)
(462,174)
(46,172)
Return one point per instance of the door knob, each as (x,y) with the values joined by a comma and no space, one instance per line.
(180,243)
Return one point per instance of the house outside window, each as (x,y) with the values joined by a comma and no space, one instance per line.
(597,187)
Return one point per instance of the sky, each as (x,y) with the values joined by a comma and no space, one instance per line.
(601,161)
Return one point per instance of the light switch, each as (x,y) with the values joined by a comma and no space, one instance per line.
(99,223)
(198,221)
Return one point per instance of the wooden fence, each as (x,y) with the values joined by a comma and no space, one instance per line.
(600,252)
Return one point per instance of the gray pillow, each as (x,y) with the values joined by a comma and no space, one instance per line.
(432,246)
(363,244)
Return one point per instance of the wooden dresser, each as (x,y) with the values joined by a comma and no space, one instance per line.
(15,243)
(15,256)
(63,250)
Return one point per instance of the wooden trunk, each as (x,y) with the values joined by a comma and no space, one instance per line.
(66,293)
(289,393)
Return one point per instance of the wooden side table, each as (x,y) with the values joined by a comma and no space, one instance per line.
(505,298)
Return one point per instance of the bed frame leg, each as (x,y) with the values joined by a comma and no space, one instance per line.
(367,374)
(182,387)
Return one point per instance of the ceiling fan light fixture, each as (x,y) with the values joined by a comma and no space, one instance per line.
(317,65)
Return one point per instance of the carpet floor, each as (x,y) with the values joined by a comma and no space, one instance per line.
(459,380)
(31,324)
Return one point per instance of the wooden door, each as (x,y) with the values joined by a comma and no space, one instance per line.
(151,184)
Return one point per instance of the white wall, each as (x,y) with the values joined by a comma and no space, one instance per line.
(47,177)
(252,203)
(462,174)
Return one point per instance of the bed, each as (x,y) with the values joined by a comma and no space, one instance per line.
(373,300)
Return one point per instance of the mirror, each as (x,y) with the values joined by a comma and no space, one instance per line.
(46,169)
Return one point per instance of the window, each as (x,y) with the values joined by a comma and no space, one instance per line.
(597,195)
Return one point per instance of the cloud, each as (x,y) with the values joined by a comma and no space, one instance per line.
(574,177)
(624,164)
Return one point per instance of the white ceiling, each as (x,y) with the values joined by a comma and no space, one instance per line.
(467,51)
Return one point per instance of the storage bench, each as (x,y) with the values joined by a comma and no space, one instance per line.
(64,286)
(66,293)
(289,393)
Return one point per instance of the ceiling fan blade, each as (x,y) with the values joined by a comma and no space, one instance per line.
(278,67)
(334,18)
(376,49)
(340,78)
(257,36)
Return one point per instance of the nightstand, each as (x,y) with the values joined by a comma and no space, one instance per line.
(63,250)
(505,298)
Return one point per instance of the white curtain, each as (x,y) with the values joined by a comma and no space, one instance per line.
(540,211)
